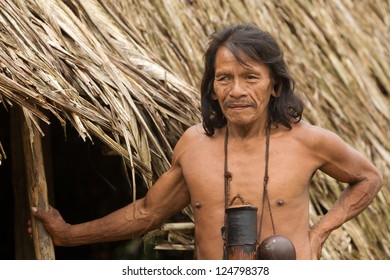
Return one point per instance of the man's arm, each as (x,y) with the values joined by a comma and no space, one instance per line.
(166,197)
(345,164)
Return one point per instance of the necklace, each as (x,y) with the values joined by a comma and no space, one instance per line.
(228,178)
(275,247)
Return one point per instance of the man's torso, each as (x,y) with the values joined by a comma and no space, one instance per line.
(292,163)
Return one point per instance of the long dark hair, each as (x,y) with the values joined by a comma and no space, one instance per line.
(248,41)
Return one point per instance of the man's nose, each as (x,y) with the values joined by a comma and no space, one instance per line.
(238,89)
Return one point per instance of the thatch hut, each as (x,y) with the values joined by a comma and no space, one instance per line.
(124,75)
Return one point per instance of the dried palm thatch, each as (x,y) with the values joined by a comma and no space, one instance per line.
(126,72)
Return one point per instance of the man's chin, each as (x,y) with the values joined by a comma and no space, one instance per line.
(241,121)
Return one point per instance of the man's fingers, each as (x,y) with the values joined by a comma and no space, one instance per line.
(29,228)
(34,210)
(37,213)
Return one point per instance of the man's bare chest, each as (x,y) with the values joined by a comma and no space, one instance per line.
(289,173)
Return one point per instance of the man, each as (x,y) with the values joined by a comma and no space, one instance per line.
(251,133)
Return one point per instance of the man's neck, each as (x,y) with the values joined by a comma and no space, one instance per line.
(247,132)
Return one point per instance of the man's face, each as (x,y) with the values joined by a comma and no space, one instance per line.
(243,91)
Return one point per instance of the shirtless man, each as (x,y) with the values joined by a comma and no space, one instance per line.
(245,90)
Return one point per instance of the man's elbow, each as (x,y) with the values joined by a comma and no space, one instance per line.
(149,219)
(378,181)
(372,182)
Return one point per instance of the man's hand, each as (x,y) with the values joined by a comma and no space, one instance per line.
(317,239)
(54,224)
(316,247)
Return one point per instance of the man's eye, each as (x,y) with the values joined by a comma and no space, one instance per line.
(222,78)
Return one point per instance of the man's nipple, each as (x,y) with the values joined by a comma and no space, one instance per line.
(198,205)
(280,202)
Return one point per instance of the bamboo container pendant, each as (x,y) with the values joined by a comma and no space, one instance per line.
(241,233)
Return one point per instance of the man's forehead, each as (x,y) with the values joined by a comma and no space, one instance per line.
(239,54)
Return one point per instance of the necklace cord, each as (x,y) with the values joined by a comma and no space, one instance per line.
(265,186)
(228,178)
(227,174)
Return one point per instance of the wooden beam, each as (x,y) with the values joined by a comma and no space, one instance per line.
(178,226)
(24,249)
(174,247)
(36,184)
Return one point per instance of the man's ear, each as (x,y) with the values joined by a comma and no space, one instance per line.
(214,96)
(277,90)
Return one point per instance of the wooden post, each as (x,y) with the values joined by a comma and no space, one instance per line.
(24,249)
(36,184)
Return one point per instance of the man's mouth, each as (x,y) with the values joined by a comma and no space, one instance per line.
(238,106)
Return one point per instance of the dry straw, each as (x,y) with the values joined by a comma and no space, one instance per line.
(127,73)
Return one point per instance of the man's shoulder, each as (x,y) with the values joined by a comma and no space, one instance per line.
(306,127)
(195,130)
(193,141)
(191,136)
(313,135)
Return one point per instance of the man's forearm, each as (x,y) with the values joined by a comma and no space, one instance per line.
(354,199)
(119,225)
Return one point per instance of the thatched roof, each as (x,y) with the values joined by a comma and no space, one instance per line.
(127,72)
